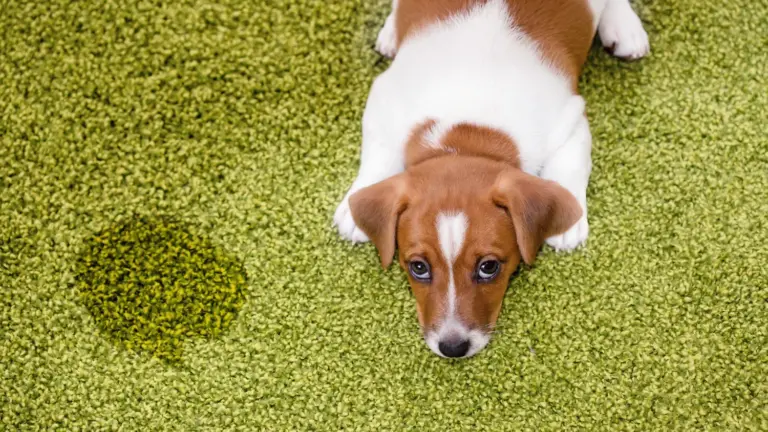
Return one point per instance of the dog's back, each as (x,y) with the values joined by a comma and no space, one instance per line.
(477,65)
(562,29)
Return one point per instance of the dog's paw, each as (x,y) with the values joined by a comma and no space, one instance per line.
(622,33)
(571,239)
(386,43)
(345,224)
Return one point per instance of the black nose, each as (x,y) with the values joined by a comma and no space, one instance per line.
(457,348)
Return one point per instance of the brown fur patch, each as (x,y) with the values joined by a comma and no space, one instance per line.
(463,139)
(563,29)
(414,15)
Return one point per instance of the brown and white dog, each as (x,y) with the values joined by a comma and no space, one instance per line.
(476,149)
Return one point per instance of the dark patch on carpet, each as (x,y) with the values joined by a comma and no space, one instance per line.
(151,283)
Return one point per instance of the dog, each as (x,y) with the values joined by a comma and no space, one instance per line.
(477,150)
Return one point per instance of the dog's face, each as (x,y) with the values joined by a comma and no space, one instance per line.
(462,225)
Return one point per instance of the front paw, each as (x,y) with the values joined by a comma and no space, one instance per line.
(346,225)
(571,239)
(386,42)
(623,35)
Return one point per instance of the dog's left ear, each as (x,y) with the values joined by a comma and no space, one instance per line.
(539,209)
(376,209)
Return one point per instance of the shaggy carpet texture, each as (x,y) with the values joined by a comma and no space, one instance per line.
(168,173)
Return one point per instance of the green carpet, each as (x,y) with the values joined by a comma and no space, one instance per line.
(215,140)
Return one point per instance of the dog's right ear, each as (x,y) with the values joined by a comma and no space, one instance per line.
(376,209)
(539,209)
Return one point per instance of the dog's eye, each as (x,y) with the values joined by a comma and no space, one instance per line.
(487,270)
(420,270)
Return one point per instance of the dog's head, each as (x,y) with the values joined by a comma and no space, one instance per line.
(461,224)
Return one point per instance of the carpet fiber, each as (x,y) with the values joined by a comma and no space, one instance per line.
(215,139)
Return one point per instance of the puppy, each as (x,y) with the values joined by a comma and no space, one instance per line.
(476,149)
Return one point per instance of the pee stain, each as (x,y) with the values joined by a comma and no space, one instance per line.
(151,284)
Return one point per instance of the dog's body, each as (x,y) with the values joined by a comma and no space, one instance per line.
(479,106)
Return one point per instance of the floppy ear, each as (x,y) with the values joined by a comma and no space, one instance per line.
(376,209)
(539,209)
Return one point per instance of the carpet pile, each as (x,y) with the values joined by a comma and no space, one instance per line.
(214,139)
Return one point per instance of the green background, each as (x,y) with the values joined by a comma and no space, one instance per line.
(242,119)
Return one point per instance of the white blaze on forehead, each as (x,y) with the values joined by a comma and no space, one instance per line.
(451,230)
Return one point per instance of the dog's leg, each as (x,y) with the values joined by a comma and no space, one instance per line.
(381,157)
(386,43)
(375,165)
(621,31)
(570,166)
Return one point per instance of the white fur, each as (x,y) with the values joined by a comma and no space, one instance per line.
(433,137)
(451,230)
(621,29)
(451,233)
(476,68)
(386,42)
(571,144)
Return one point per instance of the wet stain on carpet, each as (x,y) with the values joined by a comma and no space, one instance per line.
(152,283)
